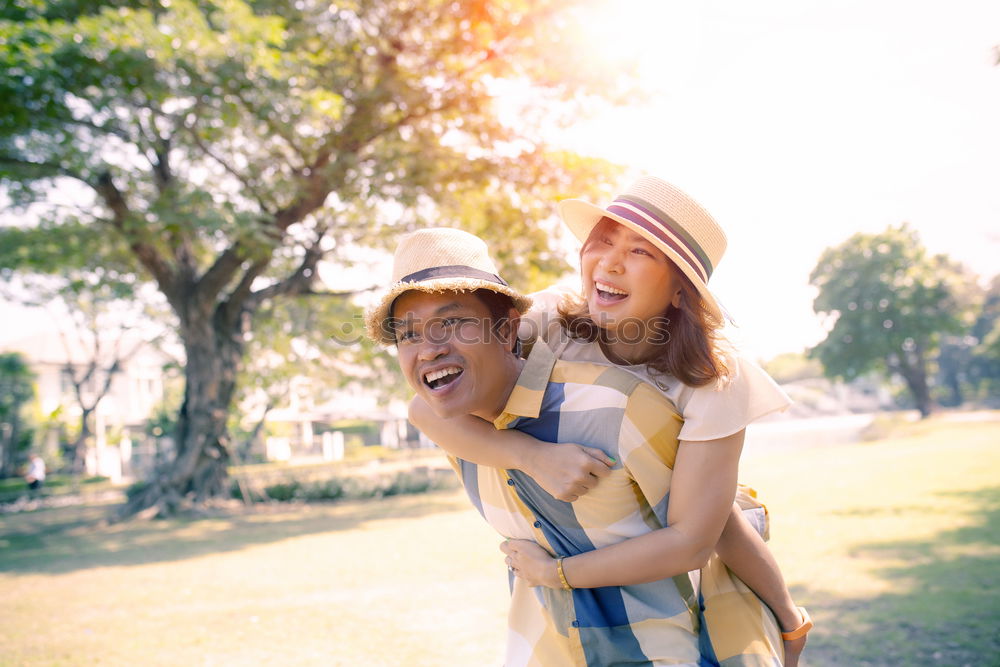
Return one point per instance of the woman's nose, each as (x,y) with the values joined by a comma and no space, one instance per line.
(611,261)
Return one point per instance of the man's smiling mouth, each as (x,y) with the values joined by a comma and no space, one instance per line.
(442,377)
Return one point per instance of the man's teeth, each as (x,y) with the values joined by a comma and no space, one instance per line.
(604,287)
(444,372)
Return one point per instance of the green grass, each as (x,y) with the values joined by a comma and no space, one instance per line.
(893,545)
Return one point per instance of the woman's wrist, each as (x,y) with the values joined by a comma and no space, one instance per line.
(552,573)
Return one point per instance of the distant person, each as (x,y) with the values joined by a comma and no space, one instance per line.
(35,476)
(609,582)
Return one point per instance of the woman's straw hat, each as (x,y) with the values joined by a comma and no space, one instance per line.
(669,219)
(437,260)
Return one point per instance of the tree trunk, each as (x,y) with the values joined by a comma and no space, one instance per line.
(79,447)
(8,440)
(914,373)
(243,451)
(199,470)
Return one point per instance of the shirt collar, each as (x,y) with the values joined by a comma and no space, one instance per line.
(526,398)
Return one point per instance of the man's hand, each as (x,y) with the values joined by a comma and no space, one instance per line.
(793,649)
(567,471)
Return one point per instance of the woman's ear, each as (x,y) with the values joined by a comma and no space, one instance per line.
(676,301)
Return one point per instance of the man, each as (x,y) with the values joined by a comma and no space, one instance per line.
(454,321)
(35,476)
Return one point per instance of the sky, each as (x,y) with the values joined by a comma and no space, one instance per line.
(797,124)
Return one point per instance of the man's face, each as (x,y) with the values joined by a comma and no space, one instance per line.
(453,355)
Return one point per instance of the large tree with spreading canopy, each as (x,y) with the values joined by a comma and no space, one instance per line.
(221,149)
(890,303)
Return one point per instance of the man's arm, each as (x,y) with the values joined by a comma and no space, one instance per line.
(567,471)
(744,552)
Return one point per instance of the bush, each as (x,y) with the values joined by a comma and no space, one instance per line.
(356,487)
(135,489)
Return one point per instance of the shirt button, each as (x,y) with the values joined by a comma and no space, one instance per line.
(510,482)
(576,624)
(537,524)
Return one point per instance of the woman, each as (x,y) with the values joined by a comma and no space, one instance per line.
(645,306)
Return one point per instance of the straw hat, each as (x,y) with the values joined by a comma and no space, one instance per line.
(438,260)
(669,219)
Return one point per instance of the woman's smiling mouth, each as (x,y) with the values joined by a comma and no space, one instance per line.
(609,293)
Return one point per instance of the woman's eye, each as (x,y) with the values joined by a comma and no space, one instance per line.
(641,251)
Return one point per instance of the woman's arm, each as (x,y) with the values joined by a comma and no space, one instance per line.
(702,489)
(567,471)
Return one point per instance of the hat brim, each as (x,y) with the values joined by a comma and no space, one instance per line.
(581,217)
(377,316)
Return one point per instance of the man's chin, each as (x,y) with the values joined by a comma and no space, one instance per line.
(444,409)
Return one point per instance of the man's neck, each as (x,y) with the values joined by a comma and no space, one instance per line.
(512,371)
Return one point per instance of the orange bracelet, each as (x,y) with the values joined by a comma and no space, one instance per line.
(807,624)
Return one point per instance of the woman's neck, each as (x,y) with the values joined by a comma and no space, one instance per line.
(625,353)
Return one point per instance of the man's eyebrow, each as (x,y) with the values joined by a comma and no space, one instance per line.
(450,307)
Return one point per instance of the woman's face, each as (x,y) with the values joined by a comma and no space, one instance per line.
(627,281)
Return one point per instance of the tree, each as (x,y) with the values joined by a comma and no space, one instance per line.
(890,303)
(222,149)
(16,389)
(983,370)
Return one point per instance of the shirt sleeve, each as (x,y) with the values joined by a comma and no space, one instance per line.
(543,315)
(713,412)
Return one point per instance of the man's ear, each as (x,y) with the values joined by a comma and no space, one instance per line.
(508,330)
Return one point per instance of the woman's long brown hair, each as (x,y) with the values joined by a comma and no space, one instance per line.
(691,351)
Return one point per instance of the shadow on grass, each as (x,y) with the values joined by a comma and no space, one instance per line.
(74,538)
(946,612)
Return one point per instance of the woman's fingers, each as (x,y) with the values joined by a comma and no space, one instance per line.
(605,461)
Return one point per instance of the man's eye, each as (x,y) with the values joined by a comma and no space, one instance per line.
(406,337)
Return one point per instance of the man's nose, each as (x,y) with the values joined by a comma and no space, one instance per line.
(431,349)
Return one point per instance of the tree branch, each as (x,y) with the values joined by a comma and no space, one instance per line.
(243,180)
(146,253)
(45,168)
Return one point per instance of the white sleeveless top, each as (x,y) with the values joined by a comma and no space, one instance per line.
(710,412)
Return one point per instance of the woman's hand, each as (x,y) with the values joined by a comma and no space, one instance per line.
(530,562)
(567,471)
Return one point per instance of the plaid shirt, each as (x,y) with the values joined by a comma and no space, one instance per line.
(655,623)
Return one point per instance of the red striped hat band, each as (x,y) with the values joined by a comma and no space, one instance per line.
(664,228)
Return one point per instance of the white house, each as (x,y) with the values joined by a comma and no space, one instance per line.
(135,390)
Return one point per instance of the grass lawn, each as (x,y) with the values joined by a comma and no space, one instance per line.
(893,545)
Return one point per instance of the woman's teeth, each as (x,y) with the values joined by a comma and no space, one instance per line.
(609,289)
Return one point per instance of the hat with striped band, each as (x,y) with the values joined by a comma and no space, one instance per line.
(439,259)
(669,219)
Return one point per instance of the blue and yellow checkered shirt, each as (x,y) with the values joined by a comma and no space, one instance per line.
(656,623)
